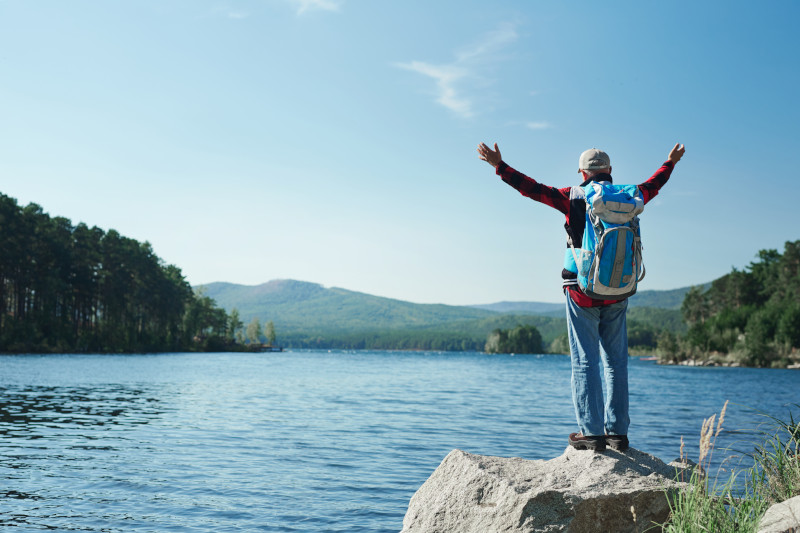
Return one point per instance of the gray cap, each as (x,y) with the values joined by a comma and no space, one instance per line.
(594,159)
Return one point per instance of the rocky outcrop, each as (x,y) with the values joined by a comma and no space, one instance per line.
(580,491)
(782,517)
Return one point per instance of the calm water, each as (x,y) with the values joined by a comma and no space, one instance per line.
(305,441)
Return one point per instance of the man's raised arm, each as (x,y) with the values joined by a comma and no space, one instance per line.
(651,187)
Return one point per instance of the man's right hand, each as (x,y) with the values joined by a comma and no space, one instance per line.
(490,156)
(675,154)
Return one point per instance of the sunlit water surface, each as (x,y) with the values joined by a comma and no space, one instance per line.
(307,441)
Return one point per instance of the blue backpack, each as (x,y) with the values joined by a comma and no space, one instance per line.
(609,261)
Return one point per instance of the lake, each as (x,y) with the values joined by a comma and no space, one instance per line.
(309,441)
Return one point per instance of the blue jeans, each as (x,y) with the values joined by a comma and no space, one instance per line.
(594,333)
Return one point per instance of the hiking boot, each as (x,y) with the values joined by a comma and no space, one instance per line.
(618,442)
(579,442)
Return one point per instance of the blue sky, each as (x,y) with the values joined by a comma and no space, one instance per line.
(333,141)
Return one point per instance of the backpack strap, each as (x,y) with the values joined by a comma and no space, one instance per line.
(576,193)
(638,248)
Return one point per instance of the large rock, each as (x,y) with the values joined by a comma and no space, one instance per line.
(580,491)
(782,517)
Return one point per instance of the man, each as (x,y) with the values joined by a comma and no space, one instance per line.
(596,328)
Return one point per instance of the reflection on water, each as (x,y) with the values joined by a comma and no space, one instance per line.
(35,412)
(52,438)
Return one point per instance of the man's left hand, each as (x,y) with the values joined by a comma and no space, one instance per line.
(676,153)
(490,156)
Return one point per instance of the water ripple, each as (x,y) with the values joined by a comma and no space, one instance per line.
(303,441)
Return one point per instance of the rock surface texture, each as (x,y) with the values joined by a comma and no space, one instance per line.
(580,491)
(782,517)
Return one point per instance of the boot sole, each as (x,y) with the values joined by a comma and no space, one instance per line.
(596,446)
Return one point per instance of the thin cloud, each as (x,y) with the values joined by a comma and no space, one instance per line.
(227,11)
(453,79)
(491,43)
(446,78)
(304,6)
(541,125)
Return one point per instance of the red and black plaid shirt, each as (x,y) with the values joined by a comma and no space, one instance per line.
(559,199)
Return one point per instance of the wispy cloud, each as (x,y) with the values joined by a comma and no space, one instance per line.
(226,11)
(453,80)
(300,6)
(490,44)
(539,125)
(304,6)
(446,78)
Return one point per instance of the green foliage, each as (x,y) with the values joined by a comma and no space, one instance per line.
(66,288)
(752,317)
(521,339)
(560,344)
(254,331)
(269,332)
(463,335)
(235,326)
(641,335)
(647,324)
(658,319)
(777,459)
(703,508)
(308,307)
(205,325)
(788,329)
(668,347)
(670,299)
(311,316)
(705,505)
(386,340)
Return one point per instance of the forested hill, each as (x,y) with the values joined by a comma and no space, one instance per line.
(310,315)
(669,299)
(67,288)
(307,315)
(297,305)
(747,317)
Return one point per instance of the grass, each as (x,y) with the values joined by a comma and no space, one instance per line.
(777,461)
(709,506)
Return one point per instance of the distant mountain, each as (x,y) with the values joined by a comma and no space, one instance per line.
(534,308)
(307,315)
(669,299)
(310,315)
(296,305)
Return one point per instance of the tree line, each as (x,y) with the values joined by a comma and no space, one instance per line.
(749,317)
(66,288)
(521,339)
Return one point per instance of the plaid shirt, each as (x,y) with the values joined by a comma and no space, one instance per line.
(575,212)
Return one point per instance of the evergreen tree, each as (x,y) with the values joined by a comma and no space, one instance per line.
(522,339)
(269,333)
(235,325)
(752,315)
(75,288)
(254,331)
